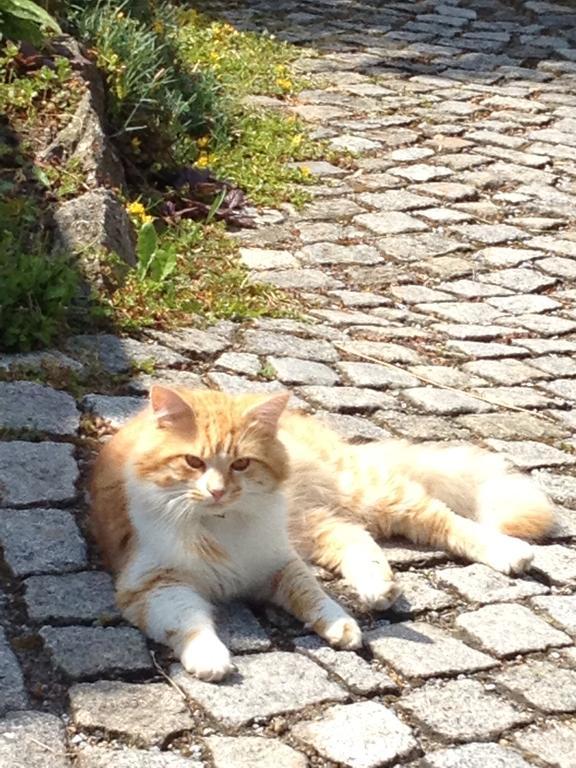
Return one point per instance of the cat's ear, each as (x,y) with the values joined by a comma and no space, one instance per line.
(267,414)
(167,406)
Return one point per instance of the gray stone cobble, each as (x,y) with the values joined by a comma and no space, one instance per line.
(480,584)
(87,596)
(27,405)
(438,708)
(265,684)
(541,685)
(33,740)
(475,756)
(148,713)
(553,743)
(445,402)
(361,735)
(246,752)
(560,608)
(356,673)
(96,756)
(12,692)
(347,399)
(84,653)
(115,410)
(417,649)
(41,541)
(282,345)
(117,355)
(507,629)
(376,376)
(36,472)
(556,563)
(292,370)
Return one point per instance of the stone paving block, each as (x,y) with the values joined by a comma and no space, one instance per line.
(562,488)
(555,365)
(507,629)
(376,376)
(507,426)
(445,402)
(381,350)
(523,304)
(147,713)
(564,388)
(292,370)
(360,298)
(518,280)
(117,355)
(504,371)
(545,325)
(329,210)
(417,427)
(331,253)
(300,279)
(12,692)
(415,247)
(418,294)
(395,200)
(240,362)
(486,350)
(192,342)
(25,736)
(27,405)
(236,385)
(528,454)
(473,331)
(265,343)
(365,734)
(352,427)
(542,685)
(470,312)
(116,410)
(105,756)
(39,361)
(264,685)
(250,751)
(548,346)
(71,598)
(438,708)
(552,743)
(491,234)
(347,399)
(516,397)
(356,673)
(451,191)
(239,629)
(36,472)
(560,608)
(419,595)
(558,267)
(422,172)
(143,382)
(475,756)
(84,653)
(418,649)
(472,289)
(41,541)
(498,256)
(389,223)
(267,258)
(556,563)
(480,584)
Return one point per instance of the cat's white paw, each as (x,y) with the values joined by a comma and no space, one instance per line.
(509,555)
(342,633)
(206,657)
(380,595)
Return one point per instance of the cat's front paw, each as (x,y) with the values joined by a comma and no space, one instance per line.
(206,657)
(342,633)
(509,555)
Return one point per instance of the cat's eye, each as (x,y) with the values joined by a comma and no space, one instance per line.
(195,462)
(240,464)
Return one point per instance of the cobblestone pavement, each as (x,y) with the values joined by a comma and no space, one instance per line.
(440,274)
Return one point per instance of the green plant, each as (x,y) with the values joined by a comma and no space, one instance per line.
(25,20)
(154,263)
(37,291)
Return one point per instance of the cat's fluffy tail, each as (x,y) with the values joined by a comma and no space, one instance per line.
(476,484)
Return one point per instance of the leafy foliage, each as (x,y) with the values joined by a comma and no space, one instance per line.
(25,20)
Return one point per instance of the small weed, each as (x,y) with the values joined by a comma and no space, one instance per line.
(267,372)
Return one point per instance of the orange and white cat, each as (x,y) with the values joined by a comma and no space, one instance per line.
(206,496)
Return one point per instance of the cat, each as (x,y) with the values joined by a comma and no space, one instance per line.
(206,496)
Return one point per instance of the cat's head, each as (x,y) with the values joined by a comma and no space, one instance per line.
(207,451)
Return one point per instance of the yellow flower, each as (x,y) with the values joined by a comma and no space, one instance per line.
(284,83)
(135,143)
(203,142)
(136,208)
(305,171)
(158,27)
(146,218)
(120,15)
(214,57)
(202,161)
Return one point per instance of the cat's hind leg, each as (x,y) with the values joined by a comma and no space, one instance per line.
(294,588)
(170,611)
(348,549)
(427,520)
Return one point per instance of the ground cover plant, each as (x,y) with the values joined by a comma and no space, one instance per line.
(197,155)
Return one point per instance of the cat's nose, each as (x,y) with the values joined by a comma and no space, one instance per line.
(217,493)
